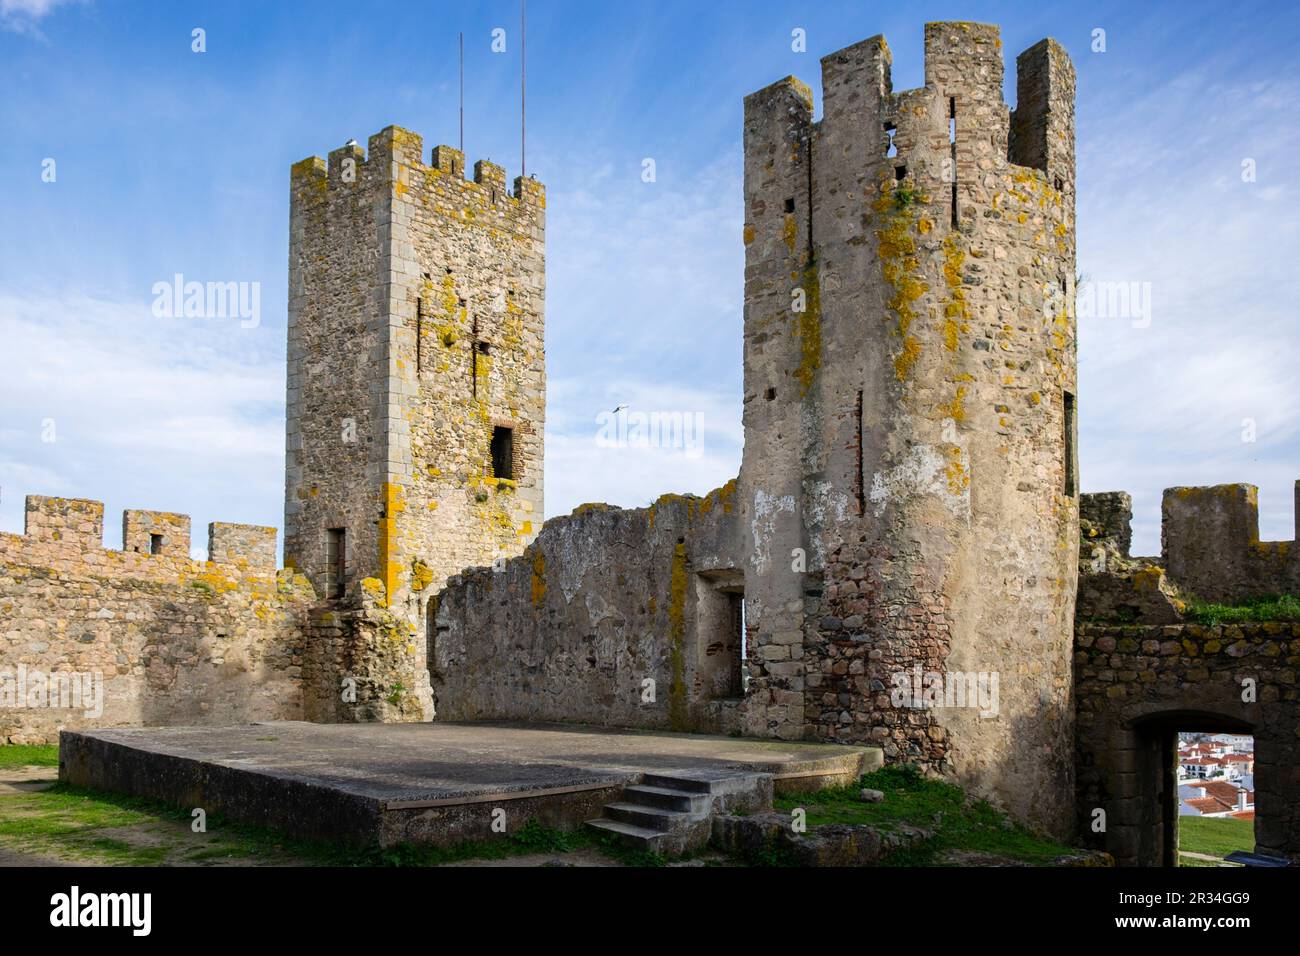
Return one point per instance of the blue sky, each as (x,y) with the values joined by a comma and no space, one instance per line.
(170,161)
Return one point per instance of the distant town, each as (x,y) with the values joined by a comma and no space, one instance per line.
(1216,776)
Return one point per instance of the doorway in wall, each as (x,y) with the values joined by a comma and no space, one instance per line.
(720,671)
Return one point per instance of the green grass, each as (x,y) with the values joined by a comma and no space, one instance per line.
(24,755)
(71,821)
(958,823)
(1272,607)
(1215,836)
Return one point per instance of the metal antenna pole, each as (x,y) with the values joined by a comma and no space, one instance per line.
(462,94)
(523,89)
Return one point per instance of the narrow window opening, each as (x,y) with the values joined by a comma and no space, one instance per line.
(900,173)
(1071,478)
(737,676)
(789,205)
(1060,186)
(155,544)
(892,149)
(503,452)
(335,563)
(1064,286)
(483,347)
(952,150)
(770,394)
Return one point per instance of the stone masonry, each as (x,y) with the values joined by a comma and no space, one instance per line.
(132,637)
(904,535)
(416,399)
(907,495)
(1143,672)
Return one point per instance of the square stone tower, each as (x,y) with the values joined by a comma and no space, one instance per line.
(909,468)
(416,388)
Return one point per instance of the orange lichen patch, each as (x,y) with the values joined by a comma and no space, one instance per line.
(725,496)
(955,472)
(955,409)
(421,575)
(591,506)
(790,231)
(538,588)
(748,235)
(899,265)
(1148,578)
(390,567)
(808,327)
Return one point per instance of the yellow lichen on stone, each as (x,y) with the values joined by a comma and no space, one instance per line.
(421,575)
(808,327)
(539,579)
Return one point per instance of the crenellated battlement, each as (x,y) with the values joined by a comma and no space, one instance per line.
(69,528)
(1210,545)
(949,129)
(394,160)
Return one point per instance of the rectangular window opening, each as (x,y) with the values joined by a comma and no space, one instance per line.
(335,563)
(503,452)
(155,544)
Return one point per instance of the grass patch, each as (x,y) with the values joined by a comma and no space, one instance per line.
(70,821)
(29,755)
(1215,836)
(1272,607)
(958,823)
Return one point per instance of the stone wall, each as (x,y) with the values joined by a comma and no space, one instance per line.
(173,640)
(1210,551)
(603,601)
(1136,686)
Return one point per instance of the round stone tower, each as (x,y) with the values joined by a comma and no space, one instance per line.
(909,475)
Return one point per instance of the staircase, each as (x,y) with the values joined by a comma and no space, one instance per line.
(670,813)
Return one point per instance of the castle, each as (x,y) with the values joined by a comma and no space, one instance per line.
(897,562)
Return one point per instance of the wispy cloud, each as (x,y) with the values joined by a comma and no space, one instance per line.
(23,16)
(1163,201)
(103,400)
(644,302)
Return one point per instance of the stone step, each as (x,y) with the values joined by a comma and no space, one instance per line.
(684,801)
(630,834)
(652,818)
(704,781)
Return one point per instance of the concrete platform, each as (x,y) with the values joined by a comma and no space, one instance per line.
(431,783)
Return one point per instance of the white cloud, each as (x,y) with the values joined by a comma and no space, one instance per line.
(21,16)
(1162,201)
(180,415)
(644,310)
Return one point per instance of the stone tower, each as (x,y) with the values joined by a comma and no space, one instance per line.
(416,382)
(909,466)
